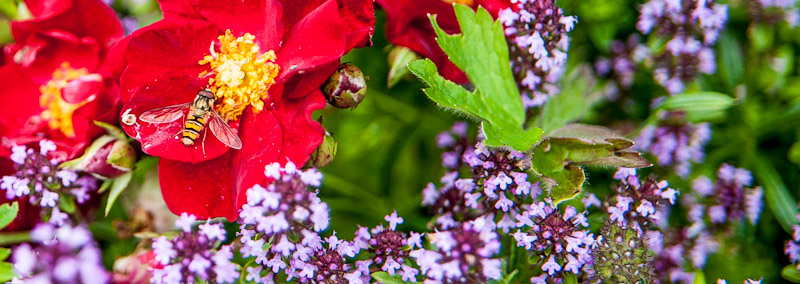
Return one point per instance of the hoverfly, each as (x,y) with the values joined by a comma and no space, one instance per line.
(201,111)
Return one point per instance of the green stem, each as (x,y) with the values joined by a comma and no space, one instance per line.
(13,238)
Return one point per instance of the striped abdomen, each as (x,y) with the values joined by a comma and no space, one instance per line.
(191,130)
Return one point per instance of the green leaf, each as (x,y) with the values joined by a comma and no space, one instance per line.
(572,103)
(120,183)
(778,198)
(112,130)
(80,162)
(569,278)
(66,203)
(6,271)
(699,277)
(482,53)
(8,212)
(791,273)
(386,278)
(4,253)
(731,63)
(699,106)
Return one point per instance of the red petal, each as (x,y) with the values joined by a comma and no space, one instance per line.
(163,140)
(19,99)
(203,189)
(45,51)
(287,133)
(259,18)
(359,16)
(84,18)
(176,46)
(314,41)
(178,10)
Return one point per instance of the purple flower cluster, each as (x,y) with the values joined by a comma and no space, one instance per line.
(774,11)
(288,216)
(463,254)
(675,142)
(455,144)
(498,184)
(621,67)
(639,201)
(320,264)
(690,27)
(792,248)
(561,241)
(59,255)
(536,31)
(40,179)
(727,200)
(389,249)
(192,255)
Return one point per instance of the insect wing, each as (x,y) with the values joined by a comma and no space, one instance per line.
(224,132)
(164,114)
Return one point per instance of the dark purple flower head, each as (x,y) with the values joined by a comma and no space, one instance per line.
(637,201)
(39,179)
(675,142)
(327,264)
(728,199)
(464,254)
(193,255)
(792,248)
(536,31)
(562,242)
(622,64)
(455,143)
(497,184)
(773,11)
(683,23)
(60,255)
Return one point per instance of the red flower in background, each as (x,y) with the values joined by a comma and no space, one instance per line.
(56,83)
(264,60)
(55,80)
(408,25)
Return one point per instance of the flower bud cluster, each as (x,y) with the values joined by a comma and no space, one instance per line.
(536,31)
(39,179)
(621,256)
(690,28)
(192,255)
(675,142)
(59,255)
(388,249)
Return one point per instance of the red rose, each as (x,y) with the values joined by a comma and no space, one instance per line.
(55,79)
(408,25)
(263,60)
(56,83)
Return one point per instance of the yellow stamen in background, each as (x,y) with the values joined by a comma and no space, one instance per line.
(241,76)
(469,3)
(57,111)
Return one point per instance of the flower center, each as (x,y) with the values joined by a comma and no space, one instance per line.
(241,76)
(57,111)
(469,3)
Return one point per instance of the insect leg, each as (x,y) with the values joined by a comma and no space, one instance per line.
(204,141)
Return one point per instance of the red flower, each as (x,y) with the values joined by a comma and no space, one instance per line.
(264,60)
(56,83)
(408,25)
(55,80)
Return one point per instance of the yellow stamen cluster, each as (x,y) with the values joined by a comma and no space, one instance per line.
(57,111)
(469,3)
(241,76)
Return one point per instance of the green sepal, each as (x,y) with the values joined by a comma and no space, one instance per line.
(66,203)
(117,187)
(6,272)
(399,57)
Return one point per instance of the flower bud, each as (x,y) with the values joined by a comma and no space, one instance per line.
(399,57)
(325,152)
(622,257)
(346,88)
(106,157)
